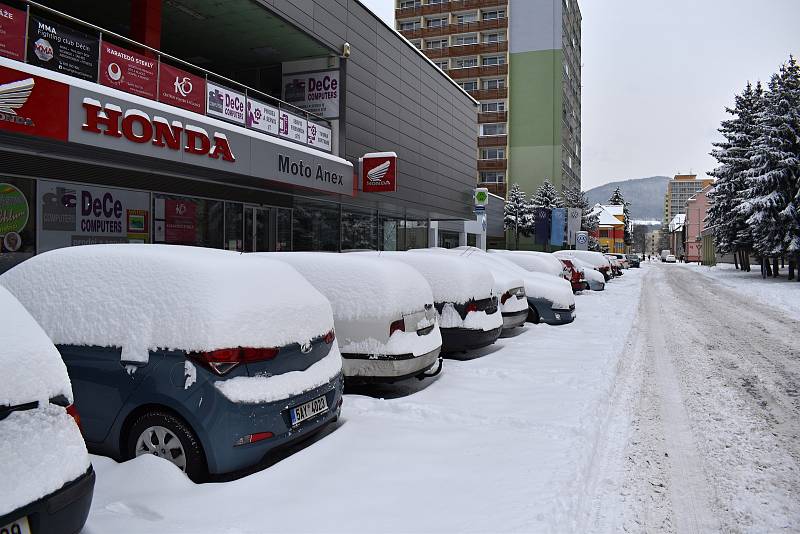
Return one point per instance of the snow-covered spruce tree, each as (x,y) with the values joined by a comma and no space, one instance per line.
(728,225)
(771,181)
(516,215)
(618,200)
(547,197)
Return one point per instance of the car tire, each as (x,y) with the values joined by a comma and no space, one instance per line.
(533,315)
(152,423)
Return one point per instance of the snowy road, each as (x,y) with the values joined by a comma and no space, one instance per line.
(703,434)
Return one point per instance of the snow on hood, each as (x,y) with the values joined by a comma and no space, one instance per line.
(539,285)
(145,297)
(360,287)
(595,259)
(531,262)
(32,367)
(451,279)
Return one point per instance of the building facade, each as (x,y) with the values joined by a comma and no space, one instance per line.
(679,190)
(696,210)
(236,126)
(610,231)
(521,60)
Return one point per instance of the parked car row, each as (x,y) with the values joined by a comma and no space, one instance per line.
(212,359)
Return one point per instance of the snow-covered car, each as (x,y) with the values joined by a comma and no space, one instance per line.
(621,259)
(595,259)
(203,357)
(550,298)
(535,261)
(383,311)
(463,295)
(513,304)
(594,278)
(616,265)
(577,277)
(46,479)
(670,258)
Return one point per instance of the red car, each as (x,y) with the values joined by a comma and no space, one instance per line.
(574,276)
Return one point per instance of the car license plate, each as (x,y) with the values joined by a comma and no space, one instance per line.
(20,526)
(308,410)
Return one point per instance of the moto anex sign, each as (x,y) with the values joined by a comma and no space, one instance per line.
(379,172)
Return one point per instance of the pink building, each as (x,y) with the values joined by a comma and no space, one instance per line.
(696,209)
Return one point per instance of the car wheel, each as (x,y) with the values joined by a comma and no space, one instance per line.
(533,315)
(167,436)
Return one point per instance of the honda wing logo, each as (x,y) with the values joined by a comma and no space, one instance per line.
(375,176)
(14,95)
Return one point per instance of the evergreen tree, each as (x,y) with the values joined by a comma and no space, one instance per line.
(516,214)
(618,200)
(547,197)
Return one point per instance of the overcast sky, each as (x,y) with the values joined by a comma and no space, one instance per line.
(657,75)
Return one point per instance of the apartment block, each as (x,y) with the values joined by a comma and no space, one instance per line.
(679,190)
(521,60)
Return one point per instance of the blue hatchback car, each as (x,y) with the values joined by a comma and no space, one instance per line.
(211,406)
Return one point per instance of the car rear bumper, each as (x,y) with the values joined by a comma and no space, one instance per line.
(596,286)
(62,512)
(462,339)
(362,368)
(514,319)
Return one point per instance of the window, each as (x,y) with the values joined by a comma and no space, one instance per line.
(359,228)
(417,43)
(188,221)
(404,26)
(494,60)
(492,177)
(469,86)
(469,39)
(434,2)
(496,37)
(604,232)
(441,64)
(234,217)
(436,23)
(493,128)
(466,18)
(283,222)
(406,4)
(439,43)
(493,153)
(315,225)
(498,83)
(493,15)
(448,239)
(491,107)
(416,234)
(466,62)
(472,240)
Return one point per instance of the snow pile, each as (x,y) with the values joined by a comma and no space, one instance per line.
(451,279)
(32,367)
(145,297)
(258,389)
(42,449)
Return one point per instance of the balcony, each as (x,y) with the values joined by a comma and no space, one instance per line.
(496,188)
(492,164)
(487,94)
(474,72)
(449,29)
(493,116)
(467,50)
(492,140)
(446,7)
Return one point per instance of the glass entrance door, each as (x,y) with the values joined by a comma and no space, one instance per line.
(256,229)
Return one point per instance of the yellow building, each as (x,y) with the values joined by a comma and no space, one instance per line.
(611,230)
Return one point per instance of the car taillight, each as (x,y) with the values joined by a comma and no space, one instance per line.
(253,438)
(400,325)
(505,297)
(472,307)
(222,361)
(73,412)
(329,337)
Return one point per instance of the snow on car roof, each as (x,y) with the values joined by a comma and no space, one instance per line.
(589,256)
(451,279)
(503,279)
(531,262)
(358,286)
(538,285)
(32,367)
(144,297)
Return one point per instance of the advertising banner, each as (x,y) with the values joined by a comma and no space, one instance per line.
(225,104)
(573,224)
(180,221)
(60,48)
(73,214)
(262,117)
(379,172)
(12,33)
(292,127)
(182,89)
(541,217)
(557,221)
(14,210)
(319,136)
(315,92)
(33,105)
(128,71)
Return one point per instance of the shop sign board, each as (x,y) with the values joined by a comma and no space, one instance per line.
(180,221)
(12,33)
(225,104)
(292,127)
(315,92)
(62,49)
(128,71)
(379,172)
(33,105)
(14,210)
(181,89)
(319,136)
(73,214)
(261,117)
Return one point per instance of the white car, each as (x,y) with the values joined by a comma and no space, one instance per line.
(46,479)
(463,295)
(383,313)
(511,288)
(670,258)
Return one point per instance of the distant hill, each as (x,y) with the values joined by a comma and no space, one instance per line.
(646,196)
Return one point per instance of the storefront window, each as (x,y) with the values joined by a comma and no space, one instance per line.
(416,234)
(359,229)
(315,225)
(391,233)
(448,239)
(284,230)
(233,226)
(17,221)
(472,240)
(188,221)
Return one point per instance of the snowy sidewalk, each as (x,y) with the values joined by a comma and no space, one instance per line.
(502,442)
(778,293)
